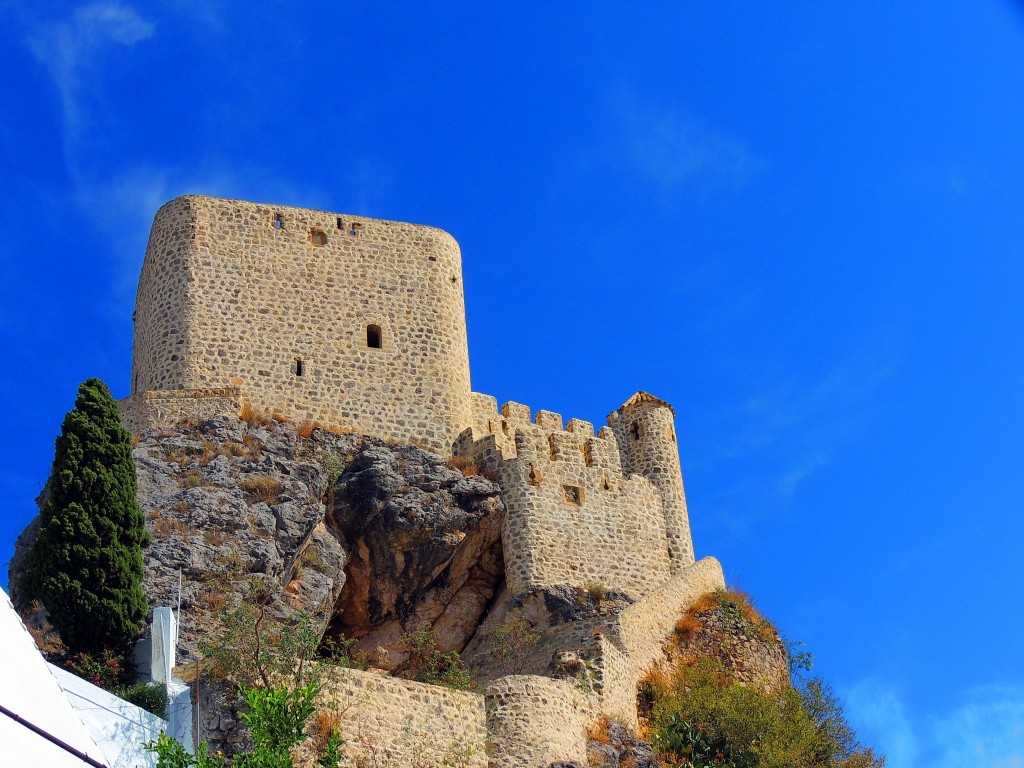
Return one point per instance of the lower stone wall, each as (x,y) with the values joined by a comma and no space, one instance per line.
(643,628)
(535,721)
(145,410)
(388,722)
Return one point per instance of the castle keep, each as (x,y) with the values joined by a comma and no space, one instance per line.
(359,325)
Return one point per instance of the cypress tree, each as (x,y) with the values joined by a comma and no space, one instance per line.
(86,562)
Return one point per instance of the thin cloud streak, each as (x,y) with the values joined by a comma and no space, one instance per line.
(799,426)
(675,150)
(985,731)
(71,49)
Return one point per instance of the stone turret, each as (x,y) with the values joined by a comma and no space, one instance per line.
(645,430)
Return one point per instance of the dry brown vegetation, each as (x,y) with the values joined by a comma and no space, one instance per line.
(262,488)
(731,601)
(599,730)
(165,526)
(252,416)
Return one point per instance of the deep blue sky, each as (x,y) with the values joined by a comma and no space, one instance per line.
(801,223)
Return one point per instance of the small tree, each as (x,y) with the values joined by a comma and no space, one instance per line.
(86,562)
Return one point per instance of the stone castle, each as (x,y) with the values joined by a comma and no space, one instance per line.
(359,324)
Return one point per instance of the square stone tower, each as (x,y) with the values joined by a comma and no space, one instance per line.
(356,323)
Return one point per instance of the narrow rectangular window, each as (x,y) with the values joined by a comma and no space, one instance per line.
(573,494)
(373,336)
(298,366)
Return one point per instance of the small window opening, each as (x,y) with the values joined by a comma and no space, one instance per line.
(298,366)
(504,428)
(341,223)
(373,336)
(573,494)
(431,257)
(317,237)
(634,431)
(551,448)
(605,485)
(354,229)
(278,221)
(588,454)
(490,427)
(535,477)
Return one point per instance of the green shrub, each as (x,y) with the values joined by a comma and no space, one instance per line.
(429,665)
(701,714)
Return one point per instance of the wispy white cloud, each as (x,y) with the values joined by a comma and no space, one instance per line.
(986,730)
(71,49)
(676,150)
(800,423)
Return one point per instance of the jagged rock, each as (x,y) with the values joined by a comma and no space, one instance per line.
(751,655)
(563,604)
(424,544)
(619,747)
(415,540)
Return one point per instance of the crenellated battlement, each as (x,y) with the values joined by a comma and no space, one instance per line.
(577,513)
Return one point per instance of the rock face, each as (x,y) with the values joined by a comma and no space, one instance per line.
(750,650)
(424,547)
(368,538)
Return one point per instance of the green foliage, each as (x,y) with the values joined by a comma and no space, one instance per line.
(277,719)
(696,747)
(701,714)
(513,642)
(331,756)
(278,675)
(171,754)
(86,562)
(152,697)
(429,665)
(254,650)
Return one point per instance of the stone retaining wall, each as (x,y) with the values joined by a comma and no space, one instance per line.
(401,722)
(145,410)
(535,721)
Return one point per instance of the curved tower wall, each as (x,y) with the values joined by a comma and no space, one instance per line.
(645,430)
(357,323)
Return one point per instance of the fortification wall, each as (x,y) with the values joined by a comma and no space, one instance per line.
(407,723)
(144,410)
(533,722)
(357,323)
(572,517)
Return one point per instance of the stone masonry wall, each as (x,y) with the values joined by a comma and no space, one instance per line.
(164,407)
(290,304)
(535,721)
(572,517)
(401,722)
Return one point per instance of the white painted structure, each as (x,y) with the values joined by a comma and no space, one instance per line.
(43,706)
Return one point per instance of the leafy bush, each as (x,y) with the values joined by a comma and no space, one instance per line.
(429,665)
(278,675)
(699,715)
(513,641)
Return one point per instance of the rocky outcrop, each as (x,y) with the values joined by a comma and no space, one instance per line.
(725,627)
(424,545)
(368,538)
